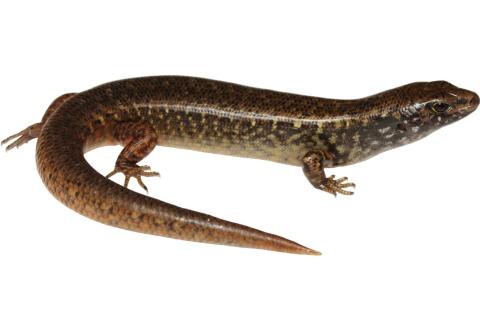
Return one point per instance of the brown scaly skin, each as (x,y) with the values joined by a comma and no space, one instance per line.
(221,117)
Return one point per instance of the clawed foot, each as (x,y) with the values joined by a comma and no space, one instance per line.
(333,186)
(134,171)
(23,136)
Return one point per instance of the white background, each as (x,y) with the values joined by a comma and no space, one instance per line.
(406,241)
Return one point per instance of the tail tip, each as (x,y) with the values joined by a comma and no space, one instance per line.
(312,252)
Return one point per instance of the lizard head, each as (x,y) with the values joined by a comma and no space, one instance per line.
(428,106)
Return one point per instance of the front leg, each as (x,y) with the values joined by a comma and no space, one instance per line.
(313,167)
(138,139)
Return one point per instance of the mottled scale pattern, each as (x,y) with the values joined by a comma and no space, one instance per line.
(220,117)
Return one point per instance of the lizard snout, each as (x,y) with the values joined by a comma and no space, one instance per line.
(474,100)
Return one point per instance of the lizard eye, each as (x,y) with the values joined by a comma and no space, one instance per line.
(440,107)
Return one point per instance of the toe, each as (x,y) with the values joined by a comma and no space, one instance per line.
(114,172)
(127,180)
(150,174)
(16,135)
(140,182)
(345,192)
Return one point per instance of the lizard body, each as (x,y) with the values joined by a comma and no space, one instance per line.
(220,117)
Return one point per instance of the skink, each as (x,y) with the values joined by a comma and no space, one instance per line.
(219,117)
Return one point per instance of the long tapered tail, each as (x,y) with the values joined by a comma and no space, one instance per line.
(75,183)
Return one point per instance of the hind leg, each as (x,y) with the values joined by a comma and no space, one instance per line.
(33,131)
